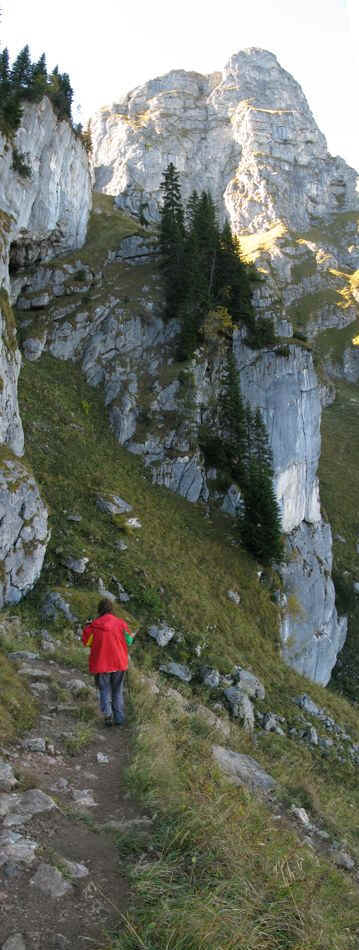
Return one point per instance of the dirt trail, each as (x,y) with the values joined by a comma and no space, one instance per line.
(89,912)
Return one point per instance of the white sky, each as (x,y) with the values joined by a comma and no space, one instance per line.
(109,47)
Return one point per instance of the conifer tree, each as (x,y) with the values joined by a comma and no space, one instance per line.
(234,279)
(21,72)
(39,79)
(171,240)
(86,137)
(260,523)
(4,71)
(233,423)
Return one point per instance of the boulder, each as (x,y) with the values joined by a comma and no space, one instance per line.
(177,669)
(50,881)
(162,633)
(7,777)
(243,770)
(248,683)
(113,504)
(54,604)
(209,676)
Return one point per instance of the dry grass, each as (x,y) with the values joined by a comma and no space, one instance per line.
(219,871)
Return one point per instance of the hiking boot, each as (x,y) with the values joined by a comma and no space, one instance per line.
(108,720)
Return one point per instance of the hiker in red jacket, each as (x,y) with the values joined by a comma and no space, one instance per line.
(108,637)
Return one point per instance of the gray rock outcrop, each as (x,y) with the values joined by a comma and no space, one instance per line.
(39,215)
(234,134)
(243,770)
(24,531)
(49,210)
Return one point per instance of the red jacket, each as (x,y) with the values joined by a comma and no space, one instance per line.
(108,637)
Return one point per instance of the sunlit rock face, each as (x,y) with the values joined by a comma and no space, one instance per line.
(248,136)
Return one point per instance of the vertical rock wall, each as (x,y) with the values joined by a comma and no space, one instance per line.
(39,216)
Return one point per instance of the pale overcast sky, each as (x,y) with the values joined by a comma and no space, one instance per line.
(110,47)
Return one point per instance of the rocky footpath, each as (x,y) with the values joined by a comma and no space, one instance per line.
(64,803)
(40,214)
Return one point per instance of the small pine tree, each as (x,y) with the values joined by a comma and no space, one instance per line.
(233,279)
(21,73)
(60,92)
(233,423)
(4,71)
(171,241)
(260,523)
(39,79)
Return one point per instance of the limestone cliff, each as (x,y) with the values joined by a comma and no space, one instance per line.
(39,215)
(249,137)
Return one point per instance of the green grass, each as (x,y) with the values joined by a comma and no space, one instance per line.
(17,707)
(106,229)
(82,736)
(332,230)
(332,343)
(218,870)
(310,304)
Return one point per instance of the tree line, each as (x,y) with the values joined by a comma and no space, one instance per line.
(30,81)
(25,80)
(203,271)
(208,288)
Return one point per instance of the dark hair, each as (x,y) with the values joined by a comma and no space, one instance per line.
(105,606)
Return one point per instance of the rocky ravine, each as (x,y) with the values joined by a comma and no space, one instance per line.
(39,216)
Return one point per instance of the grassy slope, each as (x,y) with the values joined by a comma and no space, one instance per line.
(223,872)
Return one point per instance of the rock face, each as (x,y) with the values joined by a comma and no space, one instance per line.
(24,533)
(241,134)
(39,216)
(312,633)
(249,137)
(50,209)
